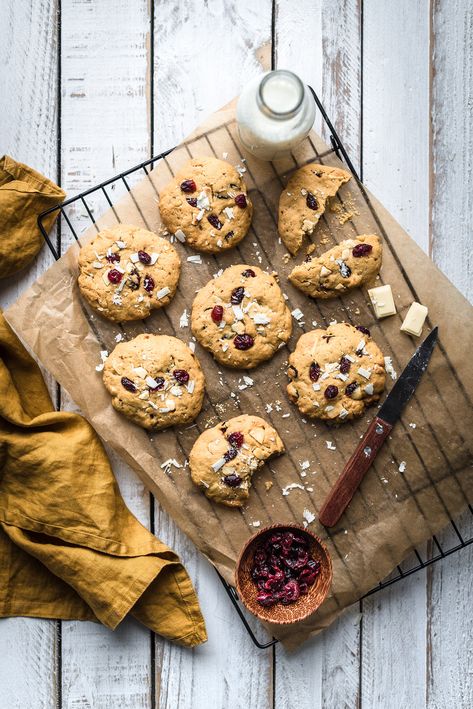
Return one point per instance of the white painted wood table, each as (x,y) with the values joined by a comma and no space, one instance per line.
(92,87)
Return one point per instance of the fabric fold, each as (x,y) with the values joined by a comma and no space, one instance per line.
(69,546)
(24,194)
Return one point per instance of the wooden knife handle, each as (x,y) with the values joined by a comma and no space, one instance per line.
(353,473)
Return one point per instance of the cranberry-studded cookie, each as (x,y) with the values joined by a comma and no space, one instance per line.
(155,381)
(126,272)
(303,201)
(241,317)
(347,265)
(336,373)
(224,458)
(207,205)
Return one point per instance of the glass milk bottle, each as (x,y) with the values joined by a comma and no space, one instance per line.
(274,114)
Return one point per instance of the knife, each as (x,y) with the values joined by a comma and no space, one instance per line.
(354,471)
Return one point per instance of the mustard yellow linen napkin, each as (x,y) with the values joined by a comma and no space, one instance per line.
(24,194)
(69,546)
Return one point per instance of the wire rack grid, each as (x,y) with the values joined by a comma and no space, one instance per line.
(78,214)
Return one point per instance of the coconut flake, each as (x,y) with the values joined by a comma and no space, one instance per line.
(292,486)
(308,516)
(297,314)
(184,319)
(238,312)
(402,466)
(218,464)
(190,386)
(330,445)
(195,259)
(369,389)
(388,364)
(134,257)
(261,319)
(163,292)
(121,244)
(366,373)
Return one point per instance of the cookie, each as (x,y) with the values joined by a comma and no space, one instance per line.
(336,373)
(224,458)
(207,205)
(155,381)
(348,265)
(241,317)
(126,272)
(303,201)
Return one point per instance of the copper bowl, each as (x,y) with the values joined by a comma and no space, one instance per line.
(307,603)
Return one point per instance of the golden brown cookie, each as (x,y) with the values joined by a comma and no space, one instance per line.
(303,201)
(347,265)
(224,458)
(155,381)
(125,272)
(241,317)
(207,205)
(335,373)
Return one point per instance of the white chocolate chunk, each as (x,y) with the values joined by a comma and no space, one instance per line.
(369,389)
(325,271)
(383,301)
(180,236)
(140,372)
(366,373)
(154,258)
(414,320)
(134,257)
(257,434)
(343,413)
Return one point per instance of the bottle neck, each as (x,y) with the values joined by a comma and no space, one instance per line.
(280,95)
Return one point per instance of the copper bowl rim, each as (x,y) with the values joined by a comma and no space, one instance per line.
(251,541)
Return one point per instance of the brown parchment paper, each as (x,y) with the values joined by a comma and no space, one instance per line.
(393,512)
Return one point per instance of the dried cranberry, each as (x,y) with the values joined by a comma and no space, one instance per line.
(148,283)
(243,342)
(291,592)
(228,235)
(217,313)
(240,201)
(311,201)
(314,371)
(230,454)
(266,599)
(363,329)
(308,258)
(232,480)
(237,295)
(114,276)
(159,384)
(345,365)
(249,273)
(236,439)
(351,388)
(362,250)
(181,376)
(113,258)
(128,385)
(192,201)
(188,186)
(215,221)
(144,257)
(331,391)
(307,576)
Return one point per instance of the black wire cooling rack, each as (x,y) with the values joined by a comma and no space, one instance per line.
(417,561)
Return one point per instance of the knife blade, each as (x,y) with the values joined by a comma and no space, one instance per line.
(358,465)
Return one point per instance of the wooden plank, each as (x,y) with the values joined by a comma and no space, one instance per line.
(236,37)
(395,165)
(105,129)
(450,616)
(321,42)
(452,140)
(28,120)
(396,117)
